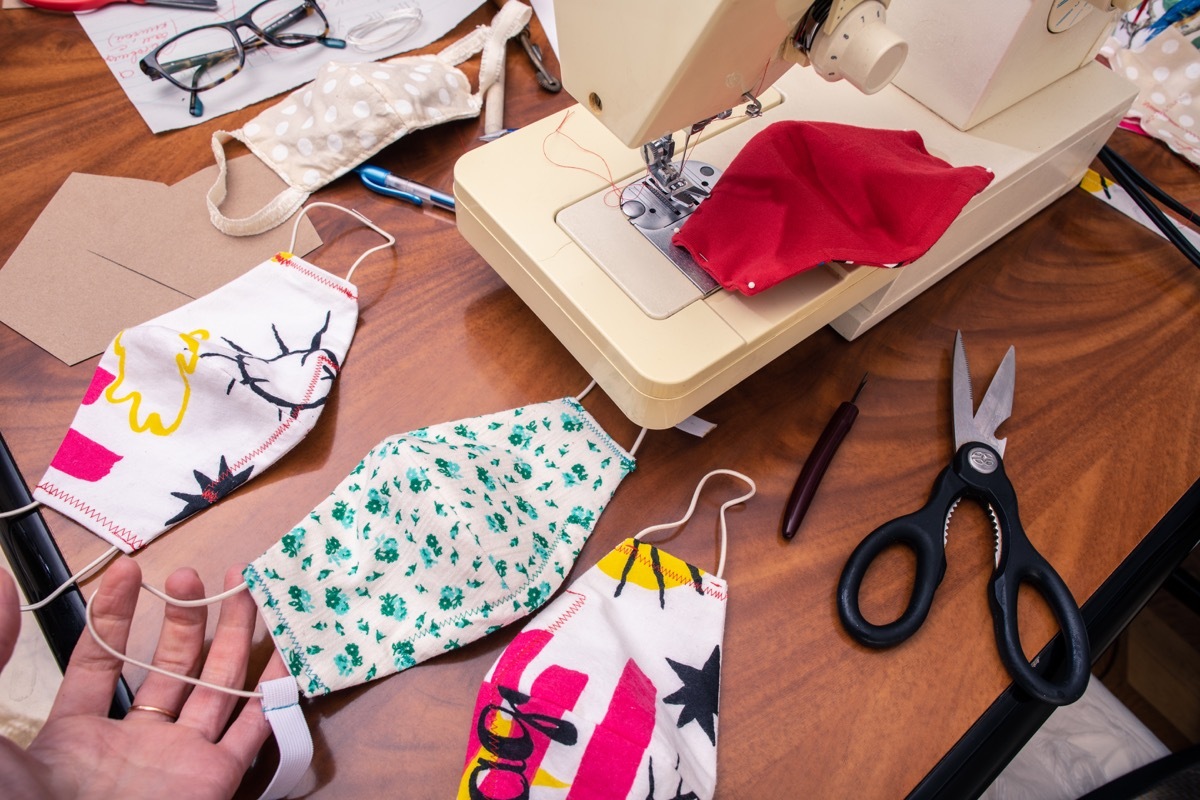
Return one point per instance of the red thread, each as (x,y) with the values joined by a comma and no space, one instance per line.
(319,277)
(573,609)
(124,534)
(679,577)
(613,187)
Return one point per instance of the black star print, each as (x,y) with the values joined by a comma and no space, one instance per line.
(211,490)
(698,695)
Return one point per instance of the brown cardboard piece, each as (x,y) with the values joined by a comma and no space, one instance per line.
(108,253)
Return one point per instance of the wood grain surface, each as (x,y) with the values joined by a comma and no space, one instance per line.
(1102,441)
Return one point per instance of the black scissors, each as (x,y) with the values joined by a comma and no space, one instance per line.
(977,472)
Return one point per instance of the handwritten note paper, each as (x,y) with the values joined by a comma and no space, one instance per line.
(124,34)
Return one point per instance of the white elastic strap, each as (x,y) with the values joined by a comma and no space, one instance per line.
(641,434)
(16,512)
(273,214)
(692,508)
(203,601)
(392,28)
(391,240)
(99,562)
(281,706)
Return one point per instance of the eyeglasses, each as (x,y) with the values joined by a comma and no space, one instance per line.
(207,56)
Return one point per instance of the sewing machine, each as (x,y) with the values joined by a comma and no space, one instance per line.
(1009,86)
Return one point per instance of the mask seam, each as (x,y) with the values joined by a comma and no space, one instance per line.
(278,433)
(91,512)
(259,584)
(576,605)
(628,550)
(320,277)
(595,428)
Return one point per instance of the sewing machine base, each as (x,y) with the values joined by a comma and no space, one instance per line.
(660,371)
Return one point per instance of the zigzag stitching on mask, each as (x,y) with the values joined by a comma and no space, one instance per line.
(709,590)
(278,432)
(316,276)
(273,604)
(576,605)
(122,533)
(595,428)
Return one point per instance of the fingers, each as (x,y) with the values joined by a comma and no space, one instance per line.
(208,710)
(10,617)
(91,676)
(180,643)
(250,729)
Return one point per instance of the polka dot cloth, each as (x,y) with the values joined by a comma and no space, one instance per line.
(350,111)
(1167,73)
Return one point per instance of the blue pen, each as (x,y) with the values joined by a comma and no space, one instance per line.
(380,180)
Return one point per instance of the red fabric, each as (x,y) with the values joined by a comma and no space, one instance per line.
(802,193)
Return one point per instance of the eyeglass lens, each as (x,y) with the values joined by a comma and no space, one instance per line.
(204,57)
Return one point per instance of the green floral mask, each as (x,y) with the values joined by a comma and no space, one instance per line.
(438,537)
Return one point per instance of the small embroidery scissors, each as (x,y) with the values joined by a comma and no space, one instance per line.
(977,472)
(91,5)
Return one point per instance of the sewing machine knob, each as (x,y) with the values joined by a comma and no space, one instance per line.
(860,49)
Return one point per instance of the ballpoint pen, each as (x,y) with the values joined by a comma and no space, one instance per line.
(380,180)
(817,462)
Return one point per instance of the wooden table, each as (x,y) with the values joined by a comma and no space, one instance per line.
(1103,442)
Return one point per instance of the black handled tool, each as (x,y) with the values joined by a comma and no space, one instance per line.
(818,461)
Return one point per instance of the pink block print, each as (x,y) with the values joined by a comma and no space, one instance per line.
(615,751)
(101,378)
(83,458)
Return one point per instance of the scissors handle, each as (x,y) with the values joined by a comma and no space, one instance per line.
(923,532)
(1018,562)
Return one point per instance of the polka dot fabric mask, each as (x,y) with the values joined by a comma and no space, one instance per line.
(351,111)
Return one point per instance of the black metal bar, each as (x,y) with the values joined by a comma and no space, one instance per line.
(39,568)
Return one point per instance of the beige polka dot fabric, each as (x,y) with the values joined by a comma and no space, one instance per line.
(1166,71)
(351,111)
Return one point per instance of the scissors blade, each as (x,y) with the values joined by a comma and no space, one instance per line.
(964,404)
(996,406)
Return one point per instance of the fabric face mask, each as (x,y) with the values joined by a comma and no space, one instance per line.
(352,111)
(189,406)
(436,538)
(612,690)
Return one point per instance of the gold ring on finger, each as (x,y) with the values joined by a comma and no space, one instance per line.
(171,715)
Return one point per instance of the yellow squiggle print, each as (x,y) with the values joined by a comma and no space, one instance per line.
(185,362)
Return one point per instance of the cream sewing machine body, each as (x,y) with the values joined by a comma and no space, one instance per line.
(1009,86)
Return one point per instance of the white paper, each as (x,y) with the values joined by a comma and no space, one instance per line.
(545,11)
(125,33)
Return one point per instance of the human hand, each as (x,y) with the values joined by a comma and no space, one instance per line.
(80,753)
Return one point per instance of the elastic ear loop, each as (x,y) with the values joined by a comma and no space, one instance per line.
(203,601)
(392,28)
(641,434)
(692,508)
(391,240)
(100,561)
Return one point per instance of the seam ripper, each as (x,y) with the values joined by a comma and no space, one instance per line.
(818,461)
